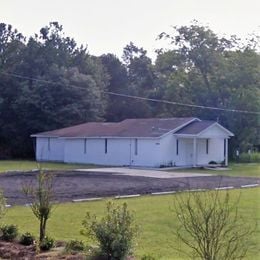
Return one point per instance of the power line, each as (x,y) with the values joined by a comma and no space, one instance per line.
(182,104)
(138,97)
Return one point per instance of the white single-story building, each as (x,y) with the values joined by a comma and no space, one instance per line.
(152,142)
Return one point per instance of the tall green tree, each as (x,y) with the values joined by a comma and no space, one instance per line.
(59,84)
(203,68)
(117,107)
(141,77)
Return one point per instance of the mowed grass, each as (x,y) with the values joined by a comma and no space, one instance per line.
(154,215)
(24,165)
(234,169)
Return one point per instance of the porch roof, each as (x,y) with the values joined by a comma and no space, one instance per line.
(198,128)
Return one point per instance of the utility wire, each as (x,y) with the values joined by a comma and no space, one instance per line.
(138,97)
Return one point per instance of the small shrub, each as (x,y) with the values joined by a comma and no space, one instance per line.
(27,239)
(46,244)
(212,162)
(9,232)
(74,246)
(114,232)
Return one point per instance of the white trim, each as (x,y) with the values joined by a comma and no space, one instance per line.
(220,126)
(204,130)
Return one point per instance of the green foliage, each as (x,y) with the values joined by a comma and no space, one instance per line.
(9,232)
(46,244)
(114,232)
(67,90)
(249,158)
(74,246)
(42,195)
(151,213)
(201,68)
(27,239)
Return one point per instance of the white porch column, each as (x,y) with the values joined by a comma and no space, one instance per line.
(226,150)
(194,152)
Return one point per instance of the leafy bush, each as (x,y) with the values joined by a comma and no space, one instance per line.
(114,232)
(46,244)
(74,246)
(9,232)
(27,239)
(212,162)
(249,158)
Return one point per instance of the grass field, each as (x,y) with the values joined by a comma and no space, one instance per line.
(23,165)
(154,215)
(234,169)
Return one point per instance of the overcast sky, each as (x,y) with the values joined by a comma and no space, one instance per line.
(106,26)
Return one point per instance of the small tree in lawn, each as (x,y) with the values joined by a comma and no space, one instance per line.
(211,227)
(42,196)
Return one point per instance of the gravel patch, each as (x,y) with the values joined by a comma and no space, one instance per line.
(73,185)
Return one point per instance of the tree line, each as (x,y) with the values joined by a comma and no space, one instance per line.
(48,81)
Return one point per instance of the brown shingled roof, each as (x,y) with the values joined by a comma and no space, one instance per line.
(148,127)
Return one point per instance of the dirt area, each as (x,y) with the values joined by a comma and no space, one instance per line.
(71,185)
(13,250)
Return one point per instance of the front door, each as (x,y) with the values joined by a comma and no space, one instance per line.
(189,152)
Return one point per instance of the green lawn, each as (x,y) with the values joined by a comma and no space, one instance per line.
(23,165)
(154,216)
(234,169)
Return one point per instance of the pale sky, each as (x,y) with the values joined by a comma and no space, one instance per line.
(107,26)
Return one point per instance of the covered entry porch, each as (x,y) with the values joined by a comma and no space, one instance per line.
(201,143)
(201,151)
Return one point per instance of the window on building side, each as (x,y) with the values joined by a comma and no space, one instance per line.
(49,144)
(177,146)
(85,145)
(136,146)
(207,146)
(106,145)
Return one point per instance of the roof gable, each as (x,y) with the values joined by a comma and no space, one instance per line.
(204,129)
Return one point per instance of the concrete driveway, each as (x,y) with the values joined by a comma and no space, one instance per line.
(144,172)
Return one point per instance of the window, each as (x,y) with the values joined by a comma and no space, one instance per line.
(136,146)
(177,147)
(85,145)
(49,144)
(207,146)
(106,145)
